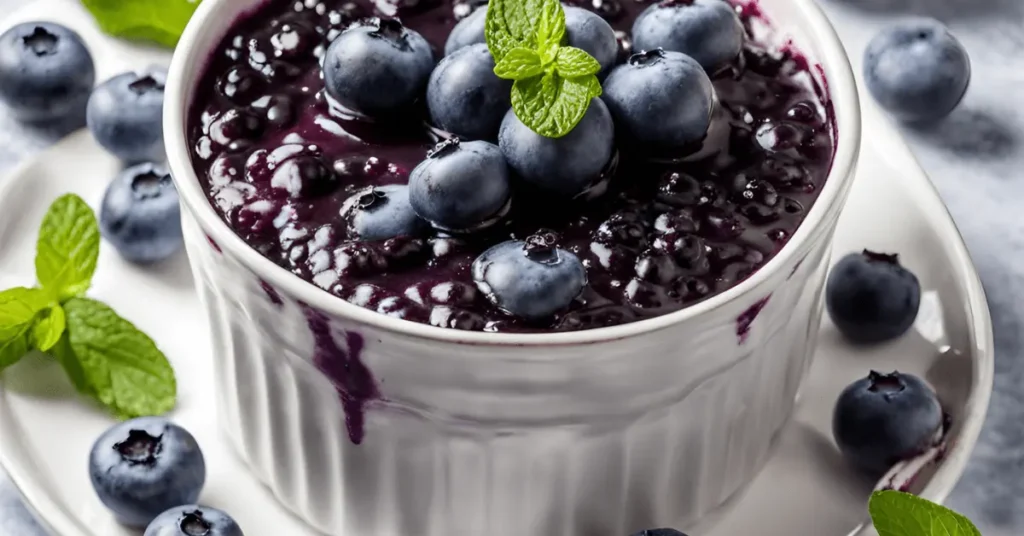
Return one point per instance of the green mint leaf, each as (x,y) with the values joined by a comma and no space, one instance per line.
(895,513)
(68,246)
(120,365)
(552,105)
(572,62)
(48,328)
(550,26)
(159,21)
(64,355)
(19,309)
(518,64)
(508,26)
(13,346)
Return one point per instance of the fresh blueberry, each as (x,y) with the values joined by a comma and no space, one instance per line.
(142,467)
(461,185)
(709,31)
(871,298)
(586,30)
(465,97)
(193,520)
(886,418)
(46,73)
(917,70)
(125,116)
(469,31)
(140,214)
(660,98)
(377,67)
(568,165)
(382,212)
(656,532)
(531,279)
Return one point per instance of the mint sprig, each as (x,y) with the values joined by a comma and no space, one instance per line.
(158,21)
(895,513)
(104,355)
(554,84)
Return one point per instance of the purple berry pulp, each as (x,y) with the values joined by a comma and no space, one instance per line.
(279,165)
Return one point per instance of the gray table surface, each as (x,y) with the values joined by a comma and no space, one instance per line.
(975,158)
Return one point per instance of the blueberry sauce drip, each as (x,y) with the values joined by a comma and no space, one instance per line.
(666,234)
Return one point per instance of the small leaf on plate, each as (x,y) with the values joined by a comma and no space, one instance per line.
(119,364)
(518,64)
(48,328)
(159,21)
(573,62)
(19,309)
(895,513)
(13,346)
(67,249)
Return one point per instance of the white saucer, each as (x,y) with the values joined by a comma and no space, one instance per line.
(806,489)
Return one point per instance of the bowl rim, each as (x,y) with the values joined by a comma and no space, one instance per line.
(840,89)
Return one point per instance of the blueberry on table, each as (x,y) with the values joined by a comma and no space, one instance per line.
(917,70)
(660,99)
(530,279)
(193,520)
(377,67)
(382,212)
(657,532)
(566,166)
(46,73)
(883,419)
(125,116)
(469,31)
(871,298)
(142,467)
(709,31)
(587,31)
(465,97)
(461,185)
(140,214)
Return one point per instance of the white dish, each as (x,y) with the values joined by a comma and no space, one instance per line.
(47,430)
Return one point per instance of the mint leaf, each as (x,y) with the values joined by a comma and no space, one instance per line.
(159,21)
(572,62)
(518,64)
(552,105)
(68,246)
(895,513)
(19,308)
(13,346)
(550,28)
(48,328)
(64,355)
(119,364)
(508,26)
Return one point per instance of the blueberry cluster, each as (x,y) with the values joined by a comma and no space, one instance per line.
(47,74)
(149,472)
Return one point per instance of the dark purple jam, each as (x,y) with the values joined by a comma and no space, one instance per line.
(667,234)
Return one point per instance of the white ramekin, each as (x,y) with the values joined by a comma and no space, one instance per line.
(600,432)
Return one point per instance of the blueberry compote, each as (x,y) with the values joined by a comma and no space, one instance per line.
(665,233)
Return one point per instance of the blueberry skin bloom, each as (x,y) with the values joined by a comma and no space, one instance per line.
(531,280)
(377,67)
(917,70)
(461,185)
(142,467)
(469,31)
(140,214)
(568,165)
(871,298)
(709,31)
(587,31)
(660,98)
(465,97)
(884,419)
(382,212)
(125,116)
(193,520)
(46,73)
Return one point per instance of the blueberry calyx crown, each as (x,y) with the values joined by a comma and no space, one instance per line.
(647,57)
(42,42)
(193,524)
(145,85)
(541,247)
(373,197)
(140,448)
(888,384)
(390,29)
(871,256)
(444,148)
(149,184)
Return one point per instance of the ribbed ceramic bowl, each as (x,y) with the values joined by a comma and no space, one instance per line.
(365,425)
